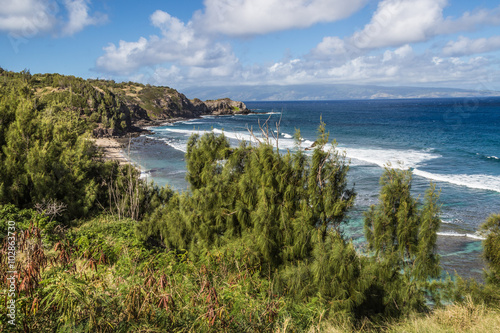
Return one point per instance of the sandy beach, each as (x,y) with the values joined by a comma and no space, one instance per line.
(113,149)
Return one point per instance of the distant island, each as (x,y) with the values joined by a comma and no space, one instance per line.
(311,92)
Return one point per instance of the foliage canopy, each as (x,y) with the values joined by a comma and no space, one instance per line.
(256,245)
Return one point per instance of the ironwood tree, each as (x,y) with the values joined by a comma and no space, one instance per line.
(492,248)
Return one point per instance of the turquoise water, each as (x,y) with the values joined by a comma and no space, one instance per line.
(452,142)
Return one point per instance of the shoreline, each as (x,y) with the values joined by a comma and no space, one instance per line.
(112,149)
(453,245)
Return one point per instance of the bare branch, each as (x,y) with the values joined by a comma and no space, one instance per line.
(50,208)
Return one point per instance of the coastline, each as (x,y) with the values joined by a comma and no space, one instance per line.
(112,149)
(141,126)
(457,242)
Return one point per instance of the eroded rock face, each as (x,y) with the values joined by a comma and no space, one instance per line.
(101,132)
(226,106)
(200,107)
(156,105)
(174,105)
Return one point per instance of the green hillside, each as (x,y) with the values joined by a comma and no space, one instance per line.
(255,245)
(115,108)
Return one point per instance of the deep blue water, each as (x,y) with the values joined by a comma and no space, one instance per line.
(452,142)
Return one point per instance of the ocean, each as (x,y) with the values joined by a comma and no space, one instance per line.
(454,143)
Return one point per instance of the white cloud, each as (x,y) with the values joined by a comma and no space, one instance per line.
(172,28)
(185,54)
(329,48)
(470,21)
(29,18)
(79,18)
(404,51)
(254,17)
(401,66)
(401,22)
(398,22)
(465,46)
(180,44)
(183,76)
(122,59)
(162,74)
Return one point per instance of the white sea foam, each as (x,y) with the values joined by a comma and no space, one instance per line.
(397,158)
(307,143)
(170,142)
(492,157)
(381,157)
(235,135)
(179,146)
(176,172)
(455,234)
(412,159)
(449,218)
(188,132)
(179,130)
(259,114)
(482,182)
(190,122)
(145,174)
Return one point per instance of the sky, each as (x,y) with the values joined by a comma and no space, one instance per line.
(193,43)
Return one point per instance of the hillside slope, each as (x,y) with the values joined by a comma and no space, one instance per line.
(114,109)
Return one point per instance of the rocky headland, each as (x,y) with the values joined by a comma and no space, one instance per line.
(153,106)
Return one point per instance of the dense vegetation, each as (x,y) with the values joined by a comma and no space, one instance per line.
(112,108)
(256,245)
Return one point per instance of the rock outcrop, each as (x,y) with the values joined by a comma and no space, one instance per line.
(163,104)
(101,132)
(117,109)
(155,105)
(226,106)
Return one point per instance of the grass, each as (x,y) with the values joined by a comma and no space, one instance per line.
(135,289)
(457,318)
(197,297)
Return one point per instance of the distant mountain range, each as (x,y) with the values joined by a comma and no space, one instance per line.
(327,92)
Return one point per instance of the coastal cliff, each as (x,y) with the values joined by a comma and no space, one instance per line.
(158,104)
(151,105)
(111,109)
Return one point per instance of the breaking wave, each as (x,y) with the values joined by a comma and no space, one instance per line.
(396,157)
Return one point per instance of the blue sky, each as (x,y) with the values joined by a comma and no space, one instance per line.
(432,43)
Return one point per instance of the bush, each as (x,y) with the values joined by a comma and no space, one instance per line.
(492,248)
